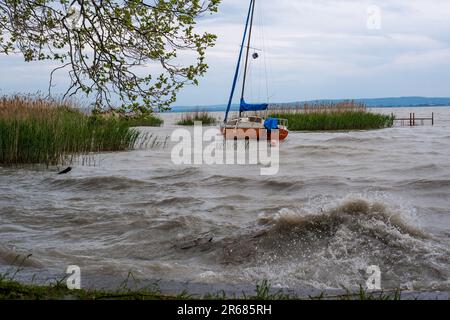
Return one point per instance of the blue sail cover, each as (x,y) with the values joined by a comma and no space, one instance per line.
(271,124)
(252,107)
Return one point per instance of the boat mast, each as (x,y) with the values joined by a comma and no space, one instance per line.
(250,11)
(248,52)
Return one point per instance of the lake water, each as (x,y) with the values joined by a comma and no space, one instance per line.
(342,201)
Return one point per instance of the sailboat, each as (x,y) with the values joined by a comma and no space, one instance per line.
(244,126)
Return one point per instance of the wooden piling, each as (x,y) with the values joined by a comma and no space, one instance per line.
(412,120)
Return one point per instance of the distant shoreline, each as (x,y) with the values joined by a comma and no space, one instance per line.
(235,109)
(378,103)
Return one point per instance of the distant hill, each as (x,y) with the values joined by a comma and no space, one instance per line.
(401,102)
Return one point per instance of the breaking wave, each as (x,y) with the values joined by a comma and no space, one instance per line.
(333,248)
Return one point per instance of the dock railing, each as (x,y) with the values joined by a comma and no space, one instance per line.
(415,121)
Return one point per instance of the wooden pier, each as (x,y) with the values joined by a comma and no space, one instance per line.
(415,121)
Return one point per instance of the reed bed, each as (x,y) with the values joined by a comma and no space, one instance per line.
(132,119)
(348,115)
(144,121)
(39,131)
(188,119)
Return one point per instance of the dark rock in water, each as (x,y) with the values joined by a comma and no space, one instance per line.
(67,170)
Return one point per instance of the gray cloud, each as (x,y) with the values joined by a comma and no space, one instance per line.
(314,49)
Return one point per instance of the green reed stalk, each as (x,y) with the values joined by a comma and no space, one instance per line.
(188,119)
(34,130)
(347,115)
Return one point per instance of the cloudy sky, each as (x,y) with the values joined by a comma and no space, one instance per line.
(313,49)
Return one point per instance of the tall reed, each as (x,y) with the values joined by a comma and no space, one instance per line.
(347,115)
(188,119)
(35,130)
(320,107)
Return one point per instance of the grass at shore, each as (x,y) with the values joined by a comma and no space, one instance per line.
(13,290)
(188,119)
(333,117)
(39,131)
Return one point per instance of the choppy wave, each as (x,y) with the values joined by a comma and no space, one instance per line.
(323,248)
(98,183)
(331,150)
(177,174)
(426,184)
(353,139)
(426,169)
(268,183)
(177,201)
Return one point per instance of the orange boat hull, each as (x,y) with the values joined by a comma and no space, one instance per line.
(252,133)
